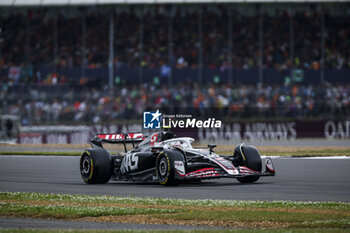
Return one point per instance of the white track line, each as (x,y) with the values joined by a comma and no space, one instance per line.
(272,157)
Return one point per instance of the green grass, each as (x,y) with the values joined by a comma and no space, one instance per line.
(258,214)
(279,216)
(59,211)
(75,198)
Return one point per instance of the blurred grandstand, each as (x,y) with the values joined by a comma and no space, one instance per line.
(92,64)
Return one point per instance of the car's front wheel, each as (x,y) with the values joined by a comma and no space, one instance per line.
(165,169)
(250,158)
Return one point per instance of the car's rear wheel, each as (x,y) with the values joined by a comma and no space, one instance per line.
(95,166)
(250,158)
(165,169)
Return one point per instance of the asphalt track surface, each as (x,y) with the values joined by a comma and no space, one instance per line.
(296,179)
(32,223)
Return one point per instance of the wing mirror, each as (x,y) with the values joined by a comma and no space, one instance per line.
(211,146)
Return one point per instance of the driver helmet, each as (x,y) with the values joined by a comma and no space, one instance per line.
(166,135)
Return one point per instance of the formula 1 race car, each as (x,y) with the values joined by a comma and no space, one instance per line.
(168,160)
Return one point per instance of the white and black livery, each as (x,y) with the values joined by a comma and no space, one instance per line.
(169,160)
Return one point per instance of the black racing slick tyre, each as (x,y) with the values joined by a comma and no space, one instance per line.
(96,166)
(165,169)
(250,157)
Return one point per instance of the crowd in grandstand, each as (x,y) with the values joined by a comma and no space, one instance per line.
(32,38)
(64,103)
(29,37)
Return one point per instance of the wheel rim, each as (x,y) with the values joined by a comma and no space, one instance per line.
(162,168)
(86,166)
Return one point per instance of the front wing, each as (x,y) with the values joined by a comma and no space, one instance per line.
(239,172)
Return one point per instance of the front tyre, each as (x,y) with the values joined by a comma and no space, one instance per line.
(250,158)
(165,169)
(95,166)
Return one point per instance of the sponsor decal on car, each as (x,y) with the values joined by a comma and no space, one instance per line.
(180,167)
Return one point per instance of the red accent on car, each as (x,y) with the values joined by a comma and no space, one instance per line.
(204,172)
(201,170)
(154,138)
(272,171)
(247,169)
(121,136)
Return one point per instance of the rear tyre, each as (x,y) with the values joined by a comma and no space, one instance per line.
(165,168)
(250,159)
(96,166)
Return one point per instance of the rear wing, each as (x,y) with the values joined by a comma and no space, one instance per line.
(117,138)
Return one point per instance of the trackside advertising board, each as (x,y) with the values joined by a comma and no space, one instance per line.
(262,130)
